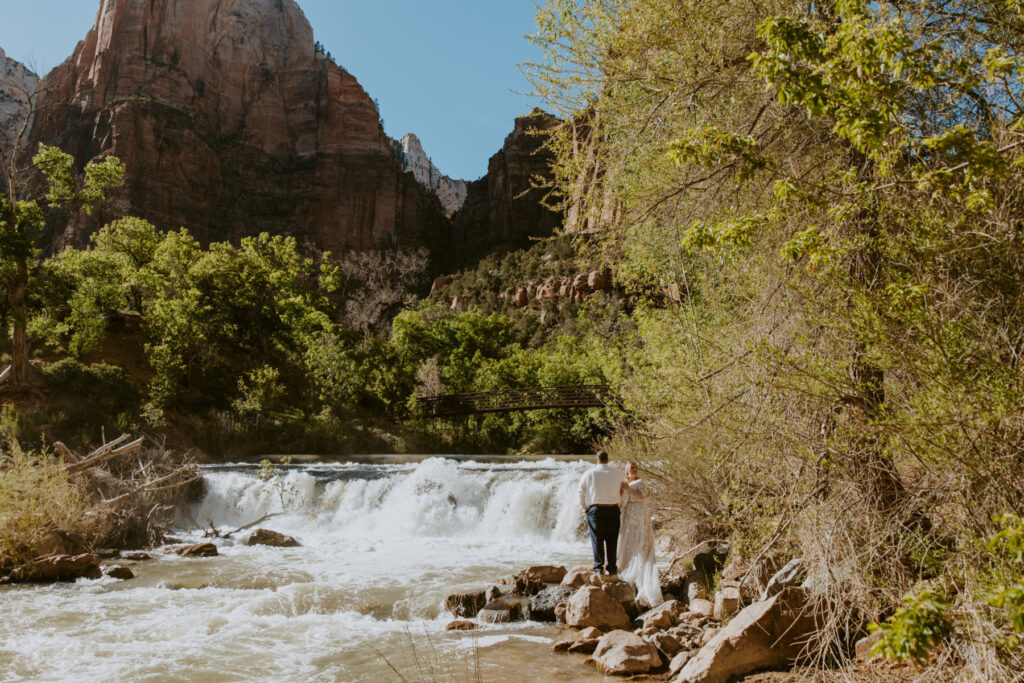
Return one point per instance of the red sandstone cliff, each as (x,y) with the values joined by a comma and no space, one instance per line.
(503,210)
(230,123)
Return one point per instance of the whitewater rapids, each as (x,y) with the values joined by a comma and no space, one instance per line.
(382,545)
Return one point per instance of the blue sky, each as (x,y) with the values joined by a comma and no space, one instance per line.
(443,69)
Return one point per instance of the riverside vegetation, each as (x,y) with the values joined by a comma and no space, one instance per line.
(834,193)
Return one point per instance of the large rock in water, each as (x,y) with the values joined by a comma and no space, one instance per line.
(543,604)
(766,634)
(623,653)
(465,605)
(501,611)
(591,606)
(545,573)
(271,538)
(57,568)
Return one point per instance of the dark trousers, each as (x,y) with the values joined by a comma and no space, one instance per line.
(603,523)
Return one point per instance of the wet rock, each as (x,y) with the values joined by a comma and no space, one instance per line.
(271,538)
(182,585)
(118,571)
(545,574)
(560,610)
(543,604)
(622,653)
(591,606)
(492,593)
(56,568)
(461,625)
(466,605)
(666,643)
(624,592)
(196,550)
(580,576)
(790,576)
(705,608)
(727,602)
(663,616)
(767,634)
(584,646)
(501,611)
(137,557)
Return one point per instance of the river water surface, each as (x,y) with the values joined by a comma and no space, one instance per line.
(383,543)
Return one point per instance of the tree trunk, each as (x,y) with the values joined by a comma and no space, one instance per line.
(19,313)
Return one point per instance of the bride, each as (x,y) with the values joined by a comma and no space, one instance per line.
(636,541)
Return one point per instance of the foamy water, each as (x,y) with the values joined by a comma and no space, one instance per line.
(382,545)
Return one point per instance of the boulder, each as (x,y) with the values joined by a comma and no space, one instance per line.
(727,602)
(560,610)
(624,592)
(461,625)
(863,646)
(465,605)
(580,281)
(621,653)
(580,576)
(543,604)
(584,646)
(591,606)
(666,643)
(584,642)
(708,636)
(679,661)
(790,576)
(767,634)
(523,584)
(57,568)
(137,557)
(197,550)
(545,574)
(271,538)
(118,571)
(702,607)
(695,591)
(501,611)
(597,281)
(492,593)
(663,616)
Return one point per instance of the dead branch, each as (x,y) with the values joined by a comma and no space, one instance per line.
(251,524)
(151,486)
(104,453)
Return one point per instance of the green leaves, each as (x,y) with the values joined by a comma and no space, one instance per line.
(710,148)
(916,627)
(65,188)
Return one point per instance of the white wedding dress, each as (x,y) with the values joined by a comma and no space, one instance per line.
(635,558)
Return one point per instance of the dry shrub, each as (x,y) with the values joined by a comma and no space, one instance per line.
(36,496)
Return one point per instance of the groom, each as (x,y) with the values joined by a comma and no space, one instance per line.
(599,495)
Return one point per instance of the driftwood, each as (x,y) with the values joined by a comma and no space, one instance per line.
(105,453)
(63,451)
(157,484)
(214,532)
(5,374)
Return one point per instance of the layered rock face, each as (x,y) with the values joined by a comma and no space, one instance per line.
(503,210)
(17,82)
(451,192)
(231,124)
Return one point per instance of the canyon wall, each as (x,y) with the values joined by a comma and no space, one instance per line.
(231,123)
(17,83)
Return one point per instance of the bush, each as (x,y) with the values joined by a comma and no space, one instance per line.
(37,497)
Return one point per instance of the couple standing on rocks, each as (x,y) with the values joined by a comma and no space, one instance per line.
(621,532)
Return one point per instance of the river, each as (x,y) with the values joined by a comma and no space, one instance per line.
(383,542)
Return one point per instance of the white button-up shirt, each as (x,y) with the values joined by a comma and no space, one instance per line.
(600,486)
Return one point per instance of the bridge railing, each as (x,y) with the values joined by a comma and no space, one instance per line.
(512,400)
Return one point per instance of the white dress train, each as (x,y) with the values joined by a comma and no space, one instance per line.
(635,558)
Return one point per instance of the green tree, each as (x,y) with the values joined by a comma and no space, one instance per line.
(22,218)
